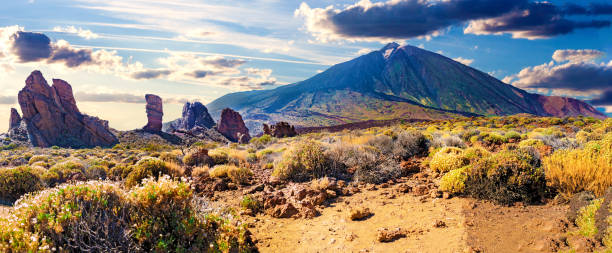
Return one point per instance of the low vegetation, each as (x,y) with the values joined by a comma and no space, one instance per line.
(73,199)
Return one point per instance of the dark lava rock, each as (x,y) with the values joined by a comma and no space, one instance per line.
(232,126)
(155,113)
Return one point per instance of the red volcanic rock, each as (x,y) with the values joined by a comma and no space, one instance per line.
(155,112)
(562,107)
(232,127)
(53,119)
(15,119)
(279,130)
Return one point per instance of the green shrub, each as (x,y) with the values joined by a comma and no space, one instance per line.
(454,181)
(146,167)
(219,156)
(62,172)
(169,157)
(95,172)
(248,202)
(166,220)
(39,158)
(303,161)
(511,175)
(16,182)
(197,157)
(586,218)
(119,171)
(159,216)
(447,159)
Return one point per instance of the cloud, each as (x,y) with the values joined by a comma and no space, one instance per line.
(21,47)
(8,100)
(604,99)
(573,73)
(404,19)
(83,33)
(123,98)
(464,61)
(578,76)
(580,55)
(30,46)
(150,74)
(535,20)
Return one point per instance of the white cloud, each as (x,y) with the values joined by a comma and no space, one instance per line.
(580,55)
(464,61)
(83,33)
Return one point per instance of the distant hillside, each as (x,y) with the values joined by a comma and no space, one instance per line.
(394,82)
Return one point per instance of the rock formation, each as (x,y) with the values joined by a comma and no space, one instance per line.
(279,130)
(53,119)
(194,115)
(15,119)
(155,112)
(232,127)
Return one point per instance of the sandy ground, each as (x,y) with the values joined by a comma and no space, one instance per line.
(333,231)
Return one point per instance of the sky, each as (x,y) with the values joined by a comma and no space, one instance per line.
(113,52)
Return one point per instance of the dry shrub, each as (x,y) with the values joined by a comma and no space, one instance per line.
(200,172)
(589,168)
(62,172)
(159,216)
(303,161)
(237,174)
(198,156)
(15,182)
(409,144)
(509,176)
(147,167)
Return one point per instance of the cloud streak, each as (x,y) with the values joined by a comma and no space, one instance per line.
(573,72)
(404,19)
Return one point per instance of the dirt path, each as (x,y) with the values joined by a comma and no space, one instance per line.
(493,228)
(333,231)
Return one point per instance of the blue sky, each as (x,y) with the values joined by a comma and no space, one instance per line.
(199,50)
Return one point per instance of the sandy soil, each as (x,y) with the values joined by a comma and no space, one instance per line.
(333,231)
(493,228)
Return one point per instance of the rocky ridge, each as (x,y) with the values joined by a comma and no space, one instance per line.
(52,117)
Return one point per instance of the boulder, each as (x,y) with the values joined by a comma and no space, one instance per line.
(15,119)
(155,113)
(52,118)
(280,130)
(232,126)
(194,115)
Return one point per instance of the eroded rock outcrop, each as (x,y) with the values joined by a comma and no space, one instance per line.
(155,113)
(279,130)
(15,119)
(52,117)
(194,115)
(232,126)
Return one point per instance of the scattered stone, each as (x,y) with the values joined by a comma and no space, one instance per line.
(284,211)
(420,190)
(53,119)
(280,130)
(404,188)
(350,237)
(439,224)
(155,113)
(389,235)
(581,244)
(360,213)
(254,189)
(232,126)
(445,195)
(435,194)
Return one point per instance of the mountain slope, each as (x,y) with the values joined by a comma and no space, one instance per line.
(394,82)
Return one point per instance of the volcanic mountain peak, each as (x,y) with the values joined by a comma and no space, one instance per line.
(395,82)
